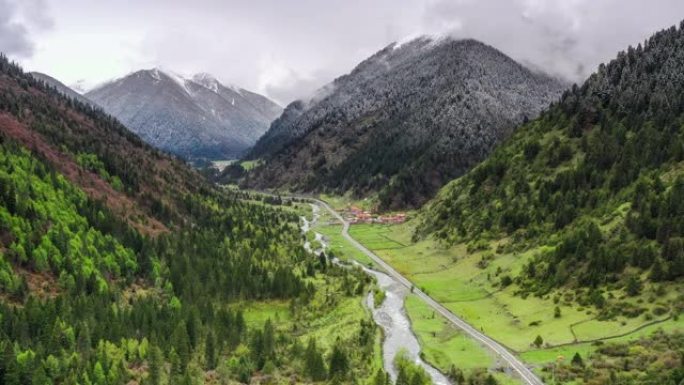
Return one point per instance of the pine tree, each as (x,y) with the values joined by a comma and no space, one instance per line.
(269,340)
(538,342)
(192,326)
(12,373)
(380,378)
(339,363)
(155,366)
(210,352)
(657,271)
(99,376)
(456,375)
(11,199)
(490,380)
(181,344)
(402,377)
(417,379)
(83,341)
(633,286)
(577,360)
(314,365)
(176,368)
(39,377)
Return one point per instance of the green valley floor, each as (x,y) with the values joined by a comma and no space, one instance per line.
(544,331)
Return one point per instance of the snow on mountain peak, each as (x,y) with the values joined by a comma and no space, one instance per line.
(179,79)
(155,74)
(192,116)
(207,81)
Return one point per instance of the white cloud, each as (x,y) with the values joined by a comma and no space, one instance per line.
(14,34)
(564,37)
(286,49)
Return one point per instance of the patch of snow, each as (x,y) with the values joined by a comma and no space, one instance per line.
(155,74)
(235,88)
(207,81)
(179,79)
(432,39)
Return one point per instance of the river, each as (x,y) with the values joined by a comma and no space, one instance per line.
(390,315)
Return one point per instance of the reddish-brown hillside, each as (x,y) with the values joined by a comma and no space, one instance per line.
(60,131)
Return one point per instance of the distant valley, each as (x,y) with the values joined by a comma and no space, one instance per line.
(440,215)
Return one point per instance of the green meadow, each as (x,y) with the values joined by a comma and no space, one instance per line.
(469,284)
(323,321)
(442,344)
(339,246)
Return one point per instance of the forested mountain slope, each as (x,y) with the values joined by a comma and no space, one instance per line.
(598,178)
(196,117)
(120,265)
(402,123)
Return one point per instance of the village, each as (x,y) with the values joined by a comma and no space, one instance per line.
(356,215)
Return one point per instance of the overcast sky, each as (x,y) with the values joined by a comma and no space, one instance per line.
(287,48)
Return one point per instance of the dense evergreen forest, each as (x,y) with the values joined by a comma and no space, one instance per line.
(598,177)
(119,264)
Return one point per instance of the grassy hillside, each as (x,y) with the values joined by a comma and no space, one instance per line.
(573,229)
(119,264)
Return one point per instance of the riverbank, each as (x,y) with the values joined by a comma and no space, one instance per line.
(389,315)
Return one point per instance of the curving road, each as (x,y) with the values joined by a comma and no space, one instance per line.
(523,371)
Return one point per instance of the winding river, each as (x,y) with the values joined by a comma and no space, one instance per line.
(390,315)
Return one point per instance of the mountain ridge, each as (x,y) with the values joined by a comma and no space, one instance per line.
(62,88)
(193,117)
(456,98)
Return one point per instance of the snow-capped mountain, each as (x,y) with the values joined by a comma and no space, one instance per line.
(194,117)
(403,122)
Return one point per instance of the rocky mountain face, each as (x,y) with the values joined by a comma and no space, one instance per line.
(61,87)
(195,118)
(403,122)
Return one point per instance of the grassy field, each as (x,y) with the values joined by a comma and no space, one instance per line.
(322,321)
(471,288)
(468,283)
(442,344)
(340,247)
(375,237)
(341,202)
(250,164)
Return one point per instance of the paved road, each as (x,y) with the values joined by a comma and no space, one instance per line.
(523,371)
